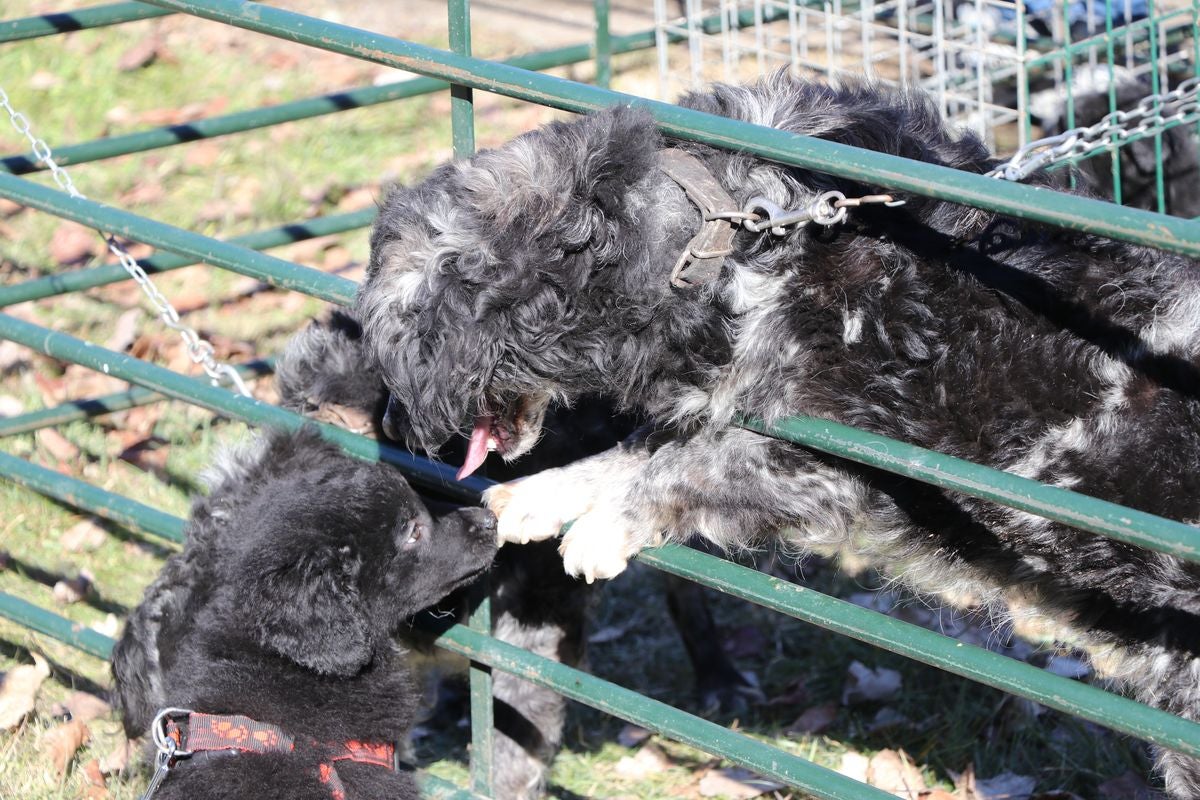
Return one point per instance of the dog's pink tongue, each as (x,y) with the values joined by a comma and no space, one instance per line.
(477,450)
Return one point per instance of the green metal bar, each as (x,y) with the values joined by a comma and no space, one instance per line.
(1110,44)
(977,664)
(479,676)
(275,271)
(437,477)
(80,279)
(657,716)
(1160,193)
(80,494)
(106,404)
(1074,509)
(80,19)
(811,606)
(308,108)
(51,624)
(878,169)
(603,45)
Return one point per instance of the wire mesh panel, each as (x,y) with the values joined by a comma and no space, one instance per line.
(1011,71)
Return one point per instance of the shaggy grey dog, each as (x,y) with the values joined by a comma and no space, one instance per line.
(543,270)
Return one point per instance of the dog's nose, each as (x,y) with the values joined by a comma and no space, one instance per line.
(481,520)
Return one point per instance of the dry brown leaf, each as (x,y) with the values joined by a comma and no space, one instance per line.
(118,759)
(650,760)
(357,199)
(82,706)
(1007,786)
(143,194)
(202,154)
(72,590)
(866,685)
(10,406)
(142,54)
(72,243)
(632,736)
(43,80)
(894,772)
(56,444)
(816,719)
(79,381)
(53,390)
(60,744)
(150,456)
(12,355)
(854,765)
(736,783)
(9,208)
(94,785)
(939,794)
(125,330)
(18,691)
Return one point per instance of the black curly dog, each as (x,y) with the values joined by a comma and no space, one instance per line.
(274,625)
(543,271)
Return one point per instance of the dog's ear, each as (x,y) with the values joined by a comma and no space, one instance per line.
(308,609)
(619,147)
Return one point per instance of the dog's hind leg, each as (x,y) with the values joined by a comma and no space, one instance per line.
(538,608)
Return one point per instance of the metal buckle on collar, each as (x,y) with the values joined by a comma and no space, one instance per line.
(702,258)
(169,750)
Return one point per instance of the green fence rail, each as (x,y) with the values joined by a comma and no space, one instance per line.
(457,71)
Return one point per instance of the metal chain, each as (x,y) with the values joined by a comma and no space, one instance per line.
(827,208)
(198,349)
(1152,114)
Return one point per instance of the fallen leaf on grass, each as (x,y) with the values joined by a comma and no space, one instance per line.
(126,330)
(82,706)
(60,744)
(148,455)
(94,785)
(72,243)
(814,720)
(854,765)
(9,208)
(142,54)
(866,685)
(57,445)
(357,199)
(1007,786)
(650,760)
(42,80)
(79,381)
(142,193)
(107,626)
(12,355)
(737,783)
(894,772)
(939,794)
(202,154)
(118,759)
(18,691)
(632,736)
(10,406)
(67,592)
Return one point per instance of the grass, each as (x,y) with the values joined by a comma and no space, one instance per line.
(248,181)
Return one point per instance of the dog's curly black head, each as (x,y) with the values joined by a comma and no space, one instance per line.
(324,555)
(474,305)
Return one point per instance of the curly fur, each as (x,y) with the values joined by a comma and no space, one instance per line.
(535,605)
(540,269)
(297,569)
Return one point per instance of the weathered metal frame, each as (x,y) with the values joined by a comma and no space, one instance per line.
(239,255)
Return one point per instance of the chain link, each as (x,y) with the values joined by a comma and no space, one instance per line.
(199,350)
(1151,115)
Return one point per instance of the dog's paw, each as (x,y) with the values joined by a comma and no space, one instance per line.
(535,508)
(598,545)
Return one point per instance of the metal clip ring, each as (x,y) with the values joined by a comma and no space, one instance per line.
(158,732)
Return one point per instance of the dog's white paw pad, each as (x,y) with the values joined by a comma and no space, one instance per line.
(597,547)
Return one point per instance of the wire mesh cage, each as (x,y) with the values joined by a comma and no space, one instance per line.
(1013,71)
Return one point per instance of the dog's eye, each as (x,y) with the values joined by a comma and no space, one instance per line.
(415,531)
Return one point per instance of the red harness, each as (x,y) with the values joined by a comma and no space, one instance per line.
(233,732)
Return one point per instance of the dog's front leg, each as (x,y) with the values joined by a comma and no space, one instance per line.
(731,486)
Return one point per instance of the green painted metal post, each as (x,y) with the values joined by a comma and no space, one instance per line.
(603,45)
(462,120)
(25,613)
(81,19)
(80,279)
(275,271)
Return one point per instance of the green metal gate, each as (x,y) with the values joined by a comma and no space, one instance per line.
(461,73)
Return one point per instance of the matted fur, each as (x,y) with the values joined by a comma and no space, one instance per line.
(540,270)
